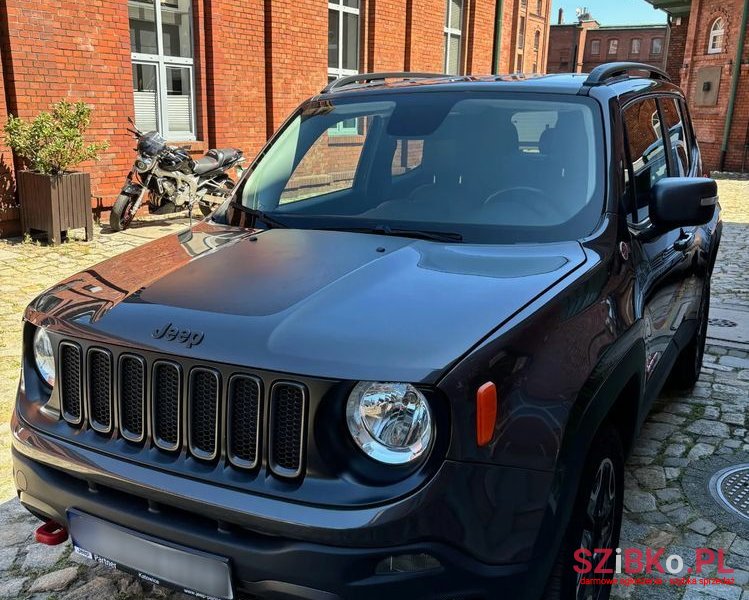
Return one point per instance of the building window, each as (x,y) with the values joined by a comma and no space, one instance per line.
(343,38)
(453,33)
(537,40)
(595,47)
(521,33)
(635,46)
(613,46)
(656,46)
(519,63)
(540,7)
(535,67)
(161,47)
(717,35)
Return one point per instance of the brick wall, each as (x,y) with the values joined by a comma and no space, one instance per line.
(625,36)
(676,48)
(709,121)
(254,61)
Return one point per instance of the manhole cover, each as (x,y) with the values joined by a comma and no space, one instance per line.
(722,323)
(730,488)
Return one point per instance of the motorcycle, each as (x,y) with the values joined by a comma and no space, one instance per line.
(172,180)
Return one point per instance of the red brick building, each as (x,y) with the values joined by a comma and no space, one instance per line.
(705,59)
(227,72)
(583,45)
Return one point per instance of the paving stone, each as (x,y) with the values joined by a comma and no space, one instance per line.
(740,546)
(703,526)
(40,557)
(734,419)
(652,478)
(675,450)
(666,417)
(11,588)
(8,555)
(659,539)
(55,581)
(96,589)
(672,473)
(733,361)
(724,592)
(637,501)
(712,413)
(669,495)
(721,540)
(714,428)
(680,516)
(700,451)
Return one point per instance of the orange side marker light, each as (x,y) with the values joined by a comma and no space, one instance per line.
(486,413)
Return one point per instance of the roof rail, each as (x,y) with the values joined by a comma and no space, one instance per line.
(368,77)
(603,73)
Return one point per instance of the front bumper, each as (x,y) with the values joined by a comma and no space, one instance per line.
(278,549)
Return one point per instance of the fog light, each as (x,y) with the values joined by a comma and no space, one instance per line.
(407,563)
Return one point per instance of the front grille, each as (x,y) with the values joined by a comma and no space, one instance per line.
(206,411)
(287,417)
(100,389)
(204,399)
(166,404)
(71,382)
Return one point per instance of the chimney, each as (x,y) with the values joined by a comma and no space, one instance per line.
(560,20)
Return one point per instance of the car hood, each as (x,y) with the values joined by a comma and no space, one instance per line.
(322,303)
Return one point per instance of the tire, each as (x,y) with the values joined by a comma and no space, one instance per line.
(122,212)
(688,365)
(206,208)
(605,463)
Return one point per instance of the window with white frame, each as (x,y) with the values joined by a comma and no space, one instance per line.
(453,35)
(343,50)
(613,46)
(161,46)
(634,47)
(717,35)
(595,47)
(656,46)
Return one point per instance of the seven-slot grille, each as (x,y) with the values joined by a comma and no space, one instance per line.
(174,407)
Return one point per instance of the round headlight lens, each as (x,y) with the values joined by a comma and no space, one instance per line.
(44,356)
(390,422)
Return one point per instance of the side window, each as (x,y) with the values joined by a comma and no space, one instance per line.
(677,133)
(646,151)
(407,156)
(328,166)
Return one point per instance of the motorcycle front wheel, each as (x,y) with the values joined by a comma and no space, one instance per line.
(207,207)
(122,212)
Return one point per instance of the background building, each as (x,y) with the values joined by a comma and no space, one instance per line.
(704,59)
(213,73)
(583,45)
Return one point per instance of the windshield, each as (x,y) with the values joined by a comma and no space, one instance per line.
(487,167)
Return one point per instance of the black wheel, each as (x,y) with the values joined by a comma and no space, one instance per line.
(687,368)
(596,522)
(207,207)
(122,212)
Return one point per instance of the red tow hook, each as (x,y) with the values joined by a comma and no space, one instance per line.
(51,533)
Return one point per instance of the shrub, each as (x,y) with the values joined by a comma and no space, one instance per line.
(53,142)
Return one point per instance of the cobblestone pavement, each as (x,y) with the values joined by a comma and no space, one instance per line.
(686,437)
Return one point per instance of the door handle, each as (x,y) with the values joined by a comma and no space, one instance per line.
(684,243)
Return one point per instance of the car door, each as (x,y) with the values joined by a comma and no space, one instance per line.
(661,259)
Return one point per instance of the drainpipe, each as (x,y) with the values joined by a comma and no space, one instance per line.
(734,86)
(498,37)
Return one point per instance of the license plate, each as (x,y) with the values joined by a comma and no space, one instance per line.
(192,572)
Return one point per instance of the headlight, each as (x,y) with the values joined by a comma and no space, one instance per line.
(390,422)
(44,356)
(143,164)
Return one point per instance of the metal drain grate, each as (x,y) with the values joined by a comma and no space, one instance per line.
(730,488)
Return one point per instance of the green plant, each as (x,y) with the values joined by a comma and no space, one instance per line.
(53,142)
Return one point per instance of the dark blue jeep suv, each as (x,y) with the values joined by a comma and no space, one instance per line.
(406,359)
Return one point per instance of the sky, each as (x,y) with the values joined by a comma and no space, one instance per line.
(610,12)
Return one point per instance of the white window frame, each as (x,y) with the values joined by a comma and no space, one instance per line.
(652,46)
(161,62)
(632,46)
(339,71)
(595,44)
(615,45)
(715,34)
(453,32)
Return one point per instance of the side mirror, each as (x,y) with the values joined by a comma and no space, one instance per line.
(682,202)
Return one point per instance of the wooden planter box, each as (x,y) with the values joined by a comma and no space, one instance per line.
(55,203)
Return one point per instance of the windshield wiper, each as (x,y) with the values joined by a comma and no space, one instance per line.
(421,234)
(260,216)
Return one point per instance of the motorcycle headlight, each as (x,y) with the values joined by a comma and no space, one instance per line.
(44,356)
(391,422)
(143,164)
